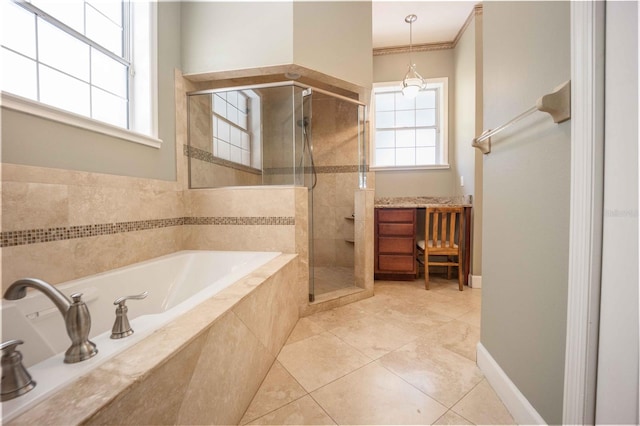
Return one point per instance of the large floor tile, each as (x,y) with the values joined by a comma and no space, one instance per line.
(373,337)
(277,390)
(375,304)
(451,305)
(303,329)
(303,411)
(451,418)
(482,406)
(373,395)
(435,370)
(457,336)
(320,359)
(337,317)
(472,317)
(417,320)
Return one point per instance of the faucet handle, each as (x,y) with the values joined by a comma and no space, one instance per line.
(121,300)
(121,327)
(16,380)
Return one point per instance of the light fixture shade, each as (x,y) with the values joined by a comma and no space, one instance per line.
(411,87)
(412,83)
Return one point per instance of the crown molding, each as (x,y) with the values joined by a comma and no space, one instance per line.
(426,47)
(477,11)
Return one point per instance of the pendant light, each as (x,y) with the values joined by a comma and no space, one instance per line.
(413,81)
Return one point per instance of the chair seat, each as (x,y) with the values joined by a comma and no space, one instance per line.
(439,244)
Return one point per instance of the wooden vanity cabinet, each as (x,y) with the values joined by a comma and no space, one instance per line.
(395,243)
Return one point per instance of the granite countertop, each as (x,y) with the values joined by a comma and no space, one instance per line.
(412,202)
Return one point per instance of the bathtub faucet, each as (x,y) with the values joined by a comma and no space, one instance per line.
(74,311)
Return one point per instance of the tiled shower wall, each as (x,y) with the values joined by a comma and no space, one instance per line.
(335,150)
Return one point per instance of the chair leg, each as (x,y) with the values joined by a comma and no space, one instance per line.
(426,272)
(460,274)
(449,260)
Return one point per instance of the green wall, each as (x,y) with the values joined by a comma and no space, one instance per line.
(526,200)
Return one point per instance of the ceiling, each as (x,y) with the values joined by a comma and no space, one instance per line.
(438,21)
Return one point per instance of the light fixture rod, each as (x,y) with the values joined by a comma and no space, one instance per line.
(410,19)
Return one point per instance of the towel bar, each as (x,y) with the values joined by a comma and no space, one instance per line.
(557,104)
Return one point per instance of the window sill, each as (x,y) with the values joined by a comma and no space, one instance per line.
(27,106)
(408,168)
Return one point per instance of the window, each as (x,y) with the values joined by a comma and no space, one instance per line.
(77,56)
(410,133)
(231,137)
(237,128)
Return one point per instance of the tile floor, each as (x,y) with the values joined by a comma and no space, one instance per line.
(332,278)
(404,356)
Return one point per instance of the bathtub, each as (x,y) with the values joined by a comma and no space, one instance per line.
(176,283)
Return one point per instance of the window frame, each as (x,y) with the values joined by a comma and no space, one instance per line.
(138,105)
(243,130)
(442,115)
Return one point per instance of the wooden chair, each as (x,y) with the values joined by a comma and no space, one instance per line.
(443,237)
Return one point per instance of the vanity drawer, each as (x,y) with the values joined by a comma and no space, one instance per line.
(396,245)
(396,215)
(406,229)
(394,263)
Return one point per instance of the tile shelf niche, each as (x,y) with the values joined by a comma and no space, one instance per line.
(350,218)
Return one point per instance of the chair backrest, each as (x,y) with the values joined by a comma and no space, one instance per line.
(443,226)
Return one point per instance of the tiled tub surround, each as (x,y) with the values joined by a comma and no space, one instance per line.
(203,368)
(65,206)
(61,225)
(273,202)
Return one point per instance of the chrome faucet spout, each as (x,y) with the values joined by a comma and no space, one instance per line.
(75,313)
(18,290)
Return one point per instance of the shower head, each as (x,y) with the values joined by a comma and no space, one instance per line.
(303,123)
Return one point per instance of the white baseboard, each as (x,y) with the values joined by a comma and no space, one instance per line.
(475,281)
(519,407)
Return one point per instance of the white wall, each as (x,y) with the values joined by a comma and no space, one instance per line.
(526,54)
(617,393)
(334,38)
(433,64)
(220,36)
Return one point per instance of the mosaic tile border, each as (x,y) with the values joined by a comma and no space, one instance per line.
(319,170)
(44,235)
(256,220)
(206,156)
(201,154)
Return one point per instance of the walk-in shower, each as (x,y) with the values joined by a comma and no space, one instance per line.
(287,134)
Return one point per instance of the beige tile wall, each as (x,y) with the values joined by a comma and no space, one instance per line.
(35,198)
(41,199)
(335,141)
(253,202)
